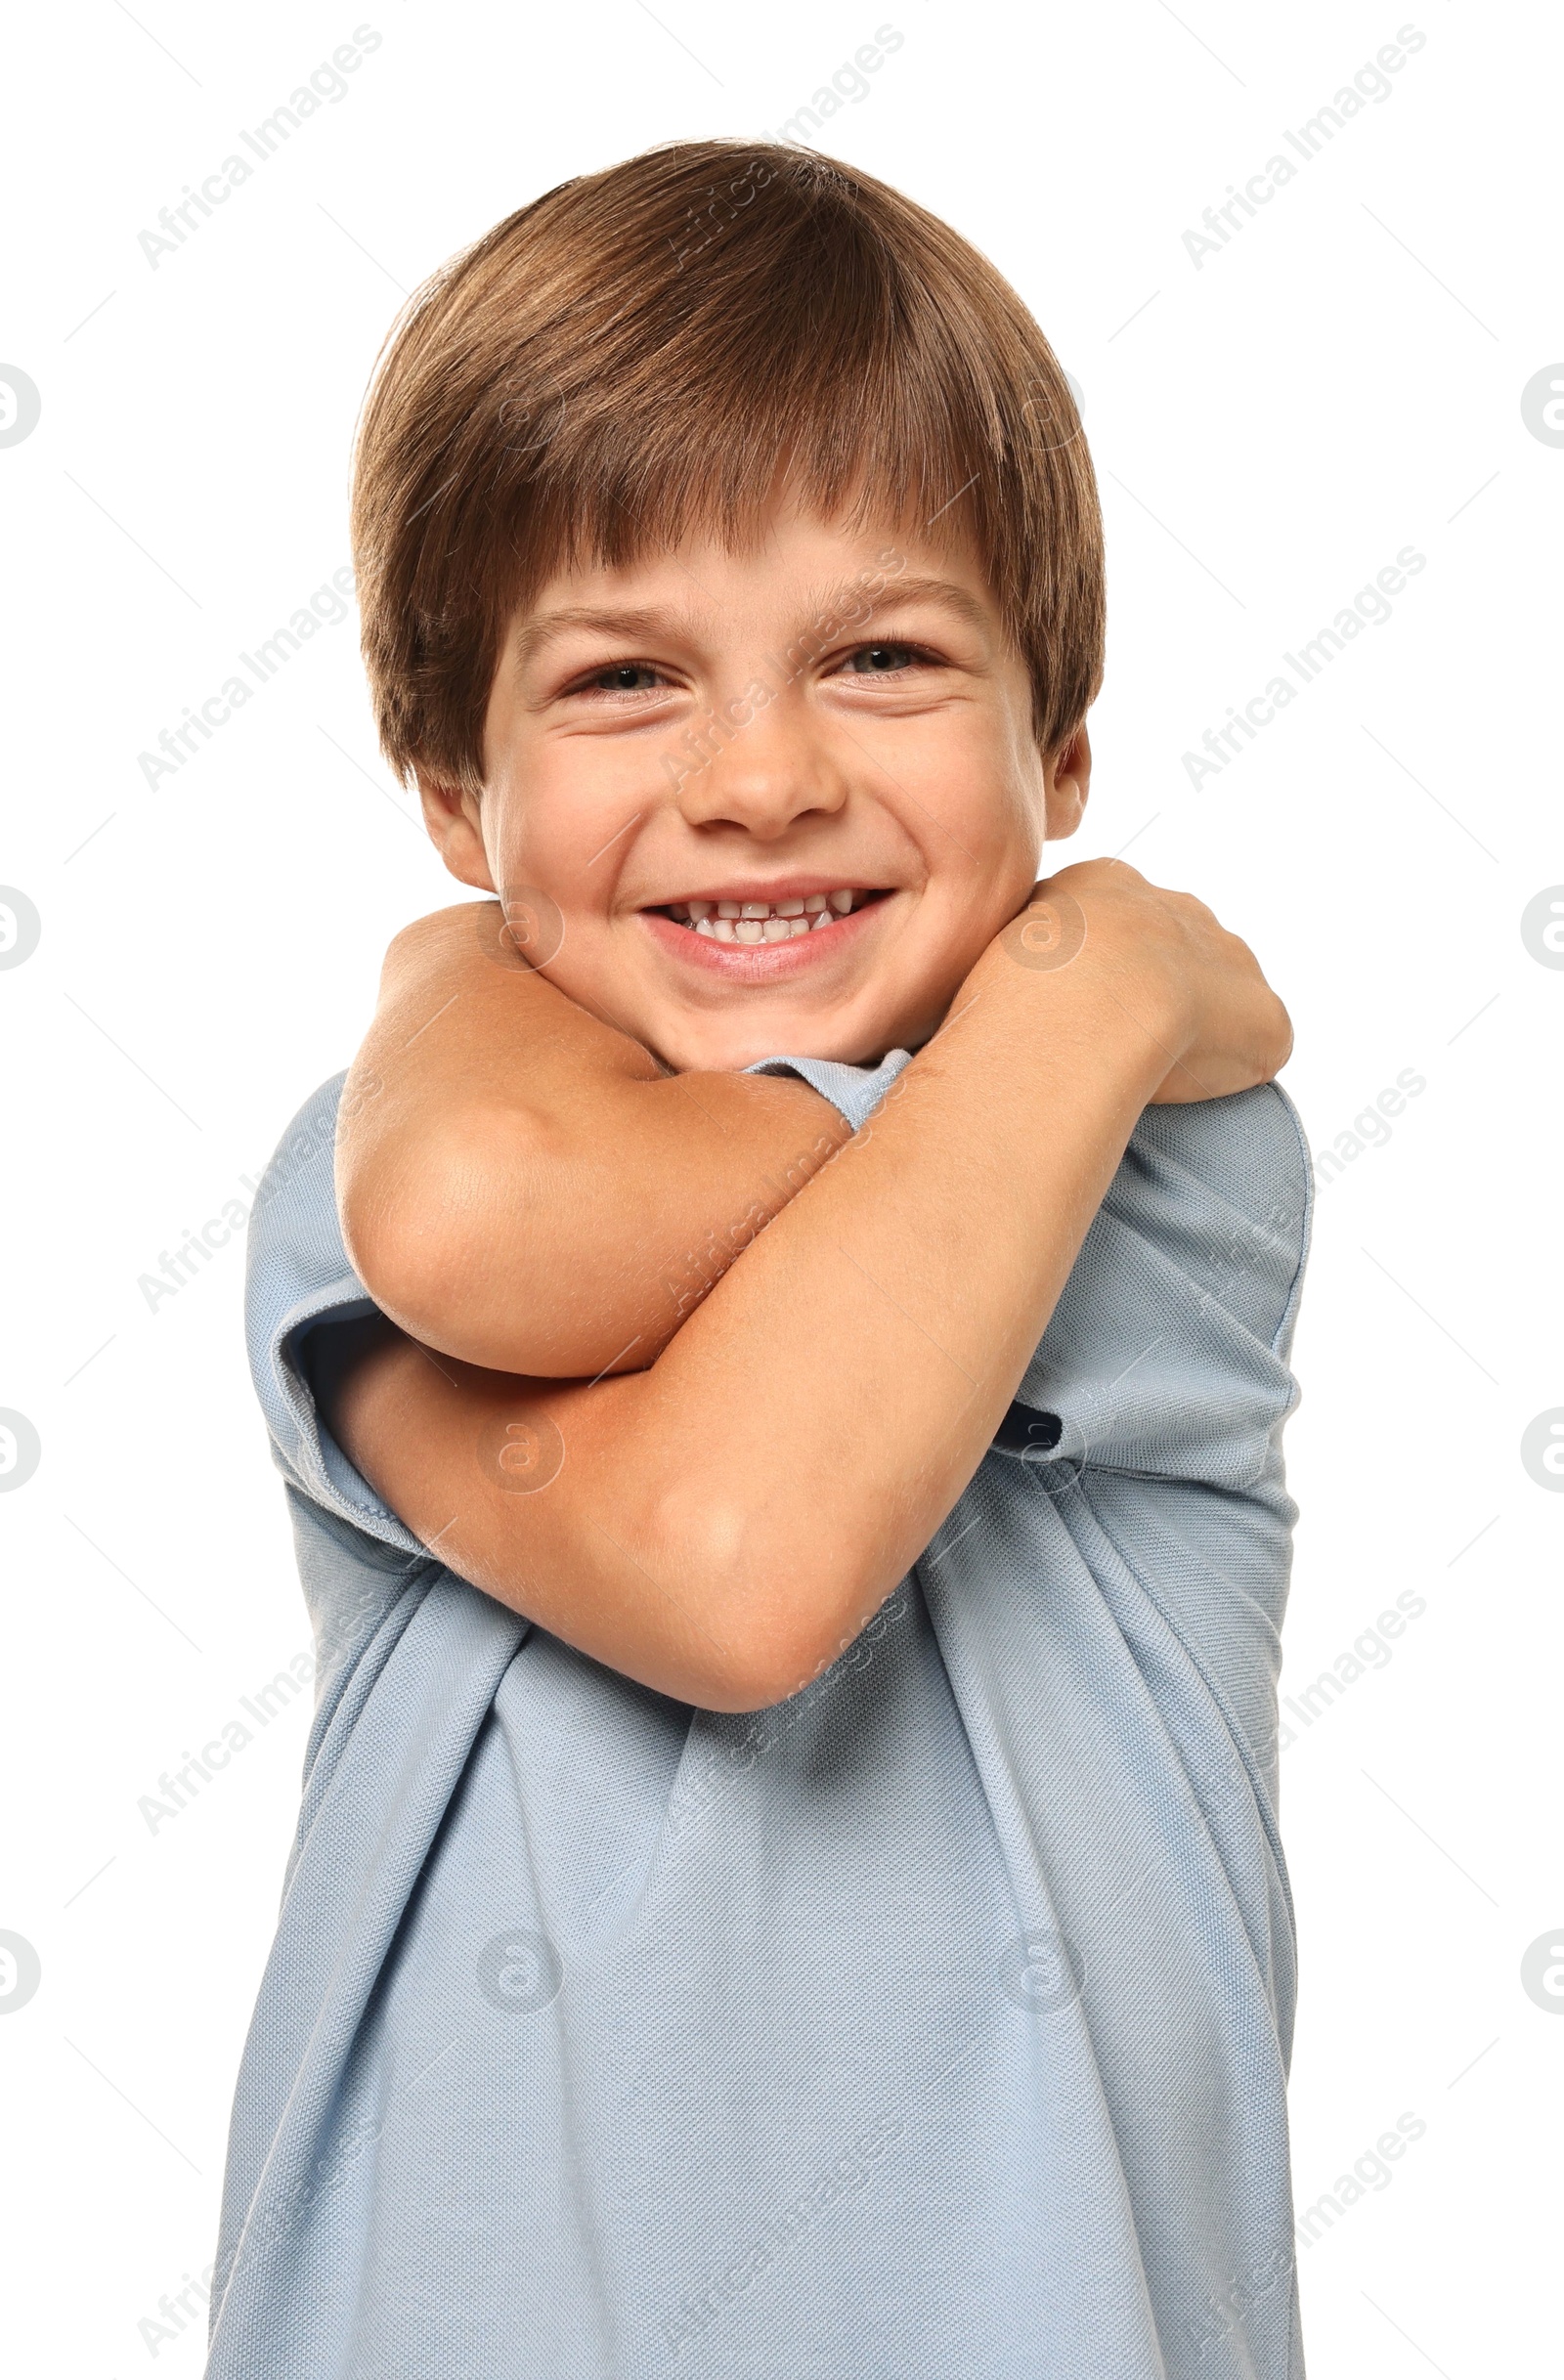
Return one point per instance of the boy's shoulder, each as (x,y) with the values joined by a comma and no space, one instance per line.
(1230,1184)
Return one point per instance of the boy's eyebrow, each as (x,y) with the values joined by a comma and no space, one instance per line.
(843,604)
(610,619)
(849,601)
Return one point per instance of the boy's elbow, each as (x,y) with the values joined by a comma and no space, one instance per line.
(424,1234)
(738,1679)
(754,1674)
(391,1233)
(768,1615)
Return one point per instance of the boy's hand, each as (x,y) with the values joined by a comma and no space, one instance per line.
(1196,988)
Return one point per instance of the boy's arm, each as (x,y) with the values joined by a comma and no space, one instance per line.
(720,1526)
(523,1186)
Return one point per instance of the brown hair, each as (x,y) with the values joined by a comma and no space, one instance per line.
(636,354)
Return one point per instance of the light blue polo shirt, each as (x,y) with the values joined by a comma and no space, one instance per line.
(934,2021)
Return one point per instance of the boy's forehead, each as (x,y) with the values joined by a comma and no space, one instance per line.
(792,561)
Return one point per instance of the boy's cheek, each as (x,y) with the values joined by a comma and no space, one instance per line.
(978,796)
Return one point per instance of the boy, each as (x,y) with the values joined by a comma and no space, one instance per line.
(788,1880)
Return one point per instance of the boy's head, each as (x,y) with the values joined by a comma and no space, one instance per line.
(725,533)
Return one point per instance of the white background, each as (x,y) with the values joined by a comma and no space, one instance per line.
(1341,380)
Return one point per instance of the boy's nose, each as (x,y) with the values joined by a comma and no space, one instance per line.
(761,777)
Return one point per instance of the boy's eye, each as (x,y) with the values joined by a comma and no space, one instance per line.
(879,659)
(622,678)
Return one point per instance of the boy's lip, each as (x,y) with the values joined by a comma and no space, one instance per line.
(760,962)
(777,889)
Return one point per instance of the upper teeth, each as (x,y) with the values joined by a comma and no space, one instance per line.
(765,921)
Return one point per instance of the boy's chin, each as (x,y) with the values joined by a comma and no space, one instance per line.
(700,1050)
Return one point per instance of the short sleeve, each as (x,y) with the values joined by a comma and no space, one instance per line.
(1167,1352)
(298,1280)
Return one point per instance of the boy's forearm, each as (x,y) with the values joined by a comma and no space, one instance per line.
(523,1188)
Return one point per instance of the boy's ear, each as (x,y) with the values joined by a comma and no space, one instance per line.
(1066,781)
(455,831)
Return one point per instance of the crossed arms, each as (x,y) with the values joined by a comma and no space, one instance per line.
(676,1365)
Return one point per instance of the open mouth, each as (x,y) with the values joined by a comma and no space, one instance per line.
(757,922)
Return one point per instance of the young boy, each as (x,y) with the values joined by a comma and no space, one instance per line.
(788,1880)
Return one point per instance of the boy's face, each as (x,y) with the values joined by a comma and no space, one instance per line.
(829,711)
